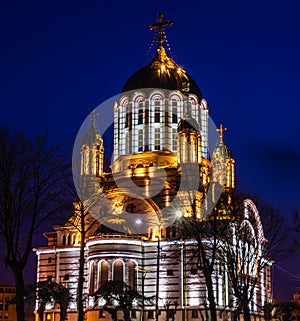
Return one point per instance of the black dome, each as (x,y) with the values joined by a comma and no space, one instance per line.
(162,72)
(189,124)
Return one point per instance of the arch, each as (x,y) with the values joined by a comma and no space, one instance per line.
(139,165)
(157,95)
(138,97)
(132,274)
(92,277)
(118,270)
(73,239)
(245,224)
(124,101)
(193,99)
(254,210)
(175,96)
(64,239)
(68,239)
(203,104)
(102,272)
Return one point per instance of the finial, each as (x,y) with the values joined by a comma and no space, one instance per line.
(159,27)
(221,130)
(93,118)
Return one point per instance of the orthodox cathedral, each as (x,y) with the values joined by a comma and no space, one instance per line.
(165,170)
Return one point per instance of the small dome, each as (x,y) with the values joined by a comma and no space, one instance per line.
(163,72)
(188,124)
(92,137)
(221,151)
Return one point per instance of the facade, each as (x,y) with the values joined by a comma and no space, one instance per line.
(7,309)
(162,172)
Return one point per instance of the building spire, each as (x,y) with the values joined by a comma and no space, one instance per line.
(221,131)
(159,27)
(93,119)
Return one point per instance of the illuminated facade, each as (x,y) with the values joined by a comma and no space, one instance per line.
(7,308)
(161,143)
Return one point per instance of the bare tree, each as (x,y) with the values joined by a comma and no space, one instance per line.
(249,247)
(32,177)
(207,234)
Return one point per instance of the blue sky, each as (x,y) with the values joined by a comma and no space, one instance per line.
(61,59)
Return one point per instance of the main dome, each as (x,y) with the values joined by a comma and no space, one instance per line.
(163,72)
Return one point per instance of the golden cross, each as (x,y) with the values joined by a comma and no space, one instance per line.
(221,130)
(160,26)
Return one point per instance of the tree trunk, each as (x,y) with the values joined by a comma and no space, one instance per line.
(20,292)
(211,299)
(246,311)
(126,313)
(63,312)
(80,307)
(41,310)
(112,312)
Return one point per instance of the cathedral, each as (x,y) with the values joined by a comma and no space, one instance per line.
(170,167)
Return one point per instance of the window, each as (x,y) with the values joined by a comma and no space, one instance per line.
(118,271)
(174,112)
(132,271)
(174,139)
(157,139)
(101,314)
(49,278)
(151,314)
(49,259)
(1,307)
(48,316)
(126,120)
(133,314)
(5,307)
(170,272)
(168,230)
(5,316)
(103,272)
(126,143)
(92,278)
(140,116)
(157,112)
(194,314)
(130,208)
(140,140)
(66,277)
(174,230)
(194,270)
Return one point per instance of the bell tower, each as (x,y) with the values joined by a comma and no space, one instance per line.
(223,162)
(92,152)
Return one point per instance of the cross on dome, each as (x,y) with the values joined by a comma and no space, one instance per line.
(160,26)
(221,131)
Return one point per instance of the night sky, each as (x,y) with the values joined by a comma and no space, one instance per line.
(61,59)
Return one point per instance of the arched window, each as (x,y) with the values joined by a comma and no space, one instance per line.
(132,275)
(92,278)
(118,273)
(103,273)
(64,239)
(68,242)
